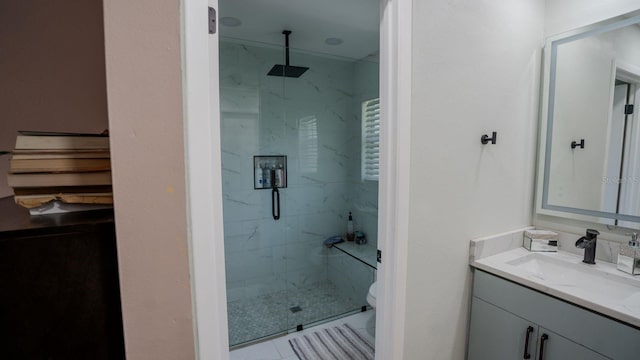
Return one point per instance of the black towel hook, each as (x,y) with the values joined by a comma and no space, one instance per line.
(485,138)
(576,144)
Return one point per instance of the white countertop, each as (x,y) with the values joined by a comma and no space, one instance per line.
(600,287)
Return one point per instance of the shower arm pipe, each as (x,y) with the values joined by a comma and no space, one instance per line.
(286,45)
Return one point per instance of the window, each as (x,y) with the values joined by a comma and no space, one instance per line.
(371,139)
(308,144)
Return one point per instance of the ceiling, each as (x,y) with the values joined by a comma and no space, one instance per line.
(356,22)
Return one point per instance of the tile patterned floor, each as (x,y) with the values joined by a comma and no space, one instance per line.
(279,348)
(271,314)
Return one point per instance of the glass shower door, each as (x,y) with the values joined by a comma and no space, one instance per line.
(317,110)
(280,276)
(252,124)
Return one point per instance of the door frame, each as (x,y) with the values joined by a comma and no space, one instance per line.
(204,177)
(630,188)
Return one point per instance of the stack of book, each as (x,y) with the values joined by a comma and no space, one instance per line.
(50,169)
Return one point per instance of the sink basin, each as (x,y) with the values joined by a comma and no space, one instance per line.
(563,271)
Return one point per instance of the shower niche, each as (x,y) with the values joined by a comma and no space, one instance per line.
(269,172)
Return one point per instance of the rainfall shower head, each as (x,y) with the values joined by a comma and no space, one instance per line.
(287,70)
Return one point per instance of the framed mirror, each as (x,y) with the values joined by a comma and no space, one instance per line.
(589,154)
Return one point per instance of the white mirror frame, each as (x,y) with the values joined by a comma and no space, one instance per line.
(546,121)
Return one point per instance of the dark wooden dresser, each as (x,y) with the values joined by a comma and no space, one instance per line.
(59,290)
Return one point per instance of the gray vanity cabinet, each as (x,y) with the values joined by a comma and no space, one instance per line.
(505,315)
(499,334)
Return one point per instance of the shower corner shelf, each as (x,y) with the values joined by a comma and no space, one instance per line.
(365,253)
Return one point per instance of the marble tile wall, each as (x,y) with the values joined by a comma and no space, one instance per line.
(351,277)
(315,121)
(364,198)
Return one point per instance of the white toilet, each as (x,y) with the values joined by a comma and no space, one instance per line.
(371,295)
(371,299)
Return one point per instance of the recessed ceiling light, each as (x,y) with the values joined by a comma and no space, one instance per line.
(333,41)
(230,21)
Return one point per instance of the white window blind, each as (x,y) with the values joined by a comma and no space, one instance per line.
(308,144)
(371,139)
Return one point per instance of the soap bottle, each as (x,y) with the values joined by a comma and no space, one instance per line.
(350,233)
(266,176)
(280,176)
(258,174)
(629,256)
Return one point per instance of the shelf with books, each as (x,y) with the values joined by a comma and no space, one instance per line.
(54,172)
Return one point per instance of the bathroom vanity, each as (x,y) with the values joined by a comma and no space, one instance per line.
(510,321)
(534,305)
(529,305)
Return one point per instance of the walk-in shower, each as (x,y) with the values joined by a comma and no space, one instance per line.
(312,132)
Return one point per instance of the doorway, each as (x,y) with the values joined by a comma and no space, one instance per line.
(205,182)
(294,139)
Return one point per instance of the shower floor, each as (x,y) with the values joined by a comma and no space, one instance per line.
(274,313)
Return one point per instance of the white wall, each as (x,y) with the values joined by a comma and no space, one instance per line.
(626,41)
(476,67)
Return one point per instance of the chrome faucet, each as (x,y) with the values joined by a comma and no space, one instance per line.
(588,243)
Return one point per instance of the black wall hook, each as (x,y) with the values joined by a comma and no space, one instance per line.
(485,138)
(575,144)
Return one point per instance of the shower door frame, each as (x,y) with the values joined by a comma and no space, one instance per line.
(204,177)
